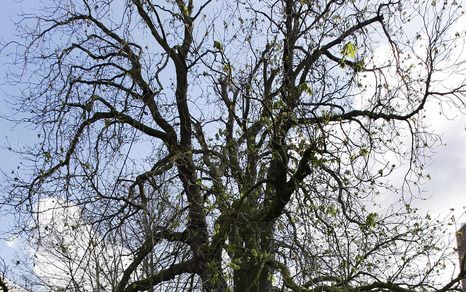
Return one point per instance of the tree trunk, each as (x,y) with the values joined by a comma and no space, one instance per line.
(254,245)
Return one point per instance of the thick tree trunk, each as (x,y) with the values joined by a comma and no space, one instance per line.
(252,273)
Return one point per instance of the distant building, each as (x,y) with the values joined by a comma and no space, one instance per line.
(461,241)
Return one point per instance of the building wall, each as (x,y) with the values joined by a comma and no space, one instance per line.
(461,241)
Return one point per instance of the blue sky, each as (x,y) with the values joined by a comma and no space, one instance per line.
(8,133)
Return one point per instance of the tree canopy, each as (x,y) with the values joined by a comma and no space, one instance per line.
(232,145)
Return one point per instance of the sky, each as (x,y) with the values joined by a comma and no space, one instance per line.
(447,166)
(8,131)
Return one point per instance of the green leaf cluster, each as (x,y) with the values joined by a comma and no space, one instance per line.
(349,50)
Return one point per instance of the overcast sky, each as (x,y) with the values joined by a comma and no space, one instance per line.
(446,190)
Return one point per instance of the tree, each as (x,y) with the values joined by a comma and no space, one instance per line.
(3,281)
(234,145)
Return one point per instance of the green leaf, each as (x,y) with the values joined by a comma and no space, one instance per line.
(218,46)
(349,50)
(332,211)
(359,258)
(371,220)
(304,87)
(216,228)
(227,68)
(363,151)
(185,10)
(359,66)
(234,266)
(47,156)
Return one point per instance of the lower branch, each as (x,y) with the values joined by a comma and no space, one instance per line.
(162,276)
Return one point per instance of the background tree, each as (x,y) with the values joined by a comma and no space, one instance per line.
(3,281)
(233,146)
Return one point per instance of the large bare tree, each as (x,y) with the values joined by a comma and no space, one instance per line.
(232,145)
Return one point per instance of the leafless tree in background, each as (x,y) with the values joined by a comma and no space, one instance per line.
(232,145)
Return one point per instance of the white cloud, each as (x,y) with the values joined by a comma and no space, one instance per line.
(69,249)
(12,243)
(447,162)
